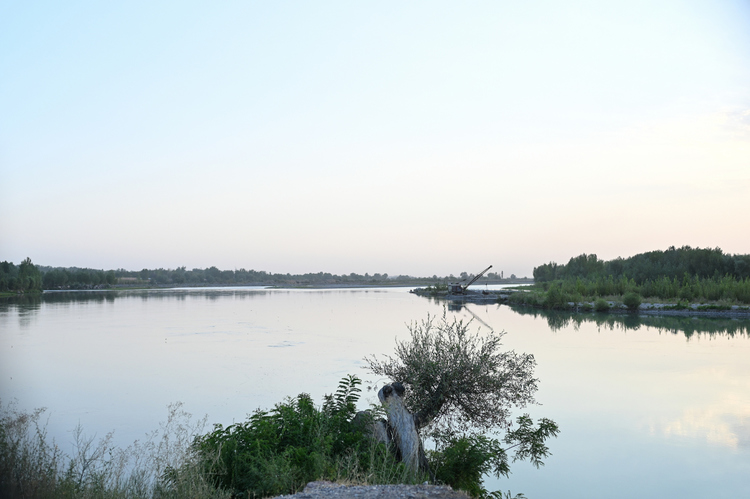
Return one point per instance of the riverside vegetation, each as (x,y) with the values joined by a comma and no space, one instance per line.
(164,465)
(23,278)
(678,277)
(273,452)
(278,451)
(28,277)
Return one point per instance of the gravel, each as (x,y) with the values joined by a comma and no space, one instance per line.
(330,490)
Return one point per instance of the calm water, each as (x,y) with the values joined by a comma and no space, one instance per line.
(652,408)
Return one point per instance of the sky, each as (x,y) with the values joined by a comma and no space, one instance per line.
(417,138)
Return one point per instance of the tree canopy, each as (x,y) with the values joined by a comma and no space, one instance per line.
(672,263)
(457,381)
(23,278)
(459,388)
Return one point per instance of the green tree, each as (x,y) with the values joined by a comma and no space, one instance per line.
(29,277)
(460,386)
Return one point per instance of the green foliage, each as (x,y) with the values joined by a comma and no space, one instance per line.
(601,305)
(163,466)
(278,451)
(555,298)
(632,300)
(688,289)
(82,278)
(461,388)
(462,461)
(686,274)
(530,297)
(672,264)
(529,440)
(458,381)
(713,307)
(25,278)
(75,278)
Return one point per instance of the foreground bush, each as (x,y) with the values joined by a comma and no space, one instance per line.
(279,451)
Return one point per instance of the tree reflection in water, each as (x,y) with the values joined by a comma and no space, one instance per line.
(689,326)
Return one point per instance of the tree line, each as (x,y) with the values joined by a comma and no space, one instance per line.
(23,278)
(29,277)
(678,274)
(704,263)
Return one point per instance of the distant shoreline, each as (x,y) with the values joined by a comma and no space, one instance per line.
(396,283)
(650,309)
(499,297)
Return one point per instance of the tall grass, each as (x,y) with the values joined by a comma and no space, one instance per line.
(162,466)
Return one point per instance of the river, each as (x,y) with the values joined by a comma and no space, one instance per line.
(650,407)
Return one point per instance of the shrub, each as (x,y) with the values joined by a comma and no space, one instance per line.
(556,298)
(632,300)
(531,298)
(462,463)
(601,305)
(278,451)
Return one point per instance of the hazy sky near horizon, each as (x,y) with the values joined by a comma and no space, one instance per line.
(402,137)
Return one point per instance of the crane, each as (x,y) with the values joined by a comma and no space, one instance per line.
(459,289)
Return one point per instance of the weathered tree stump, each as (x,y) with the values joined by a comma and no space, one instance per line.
(400,430)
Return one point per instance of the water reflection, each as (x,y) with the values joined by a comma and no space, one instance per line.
(28,305)
(689,326)
(26,308)
(726,423)
(101,296)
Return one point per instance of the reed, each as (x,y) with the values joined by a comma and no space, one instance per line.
(162,466)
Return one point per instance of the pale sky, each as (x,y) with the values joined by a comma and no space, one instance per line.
(412,138)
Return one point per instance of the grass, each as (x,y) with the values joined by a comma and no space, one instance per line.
(163,466)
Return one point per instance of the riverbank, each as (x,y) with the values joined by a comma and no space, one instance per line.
(14,294)
(532,299)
